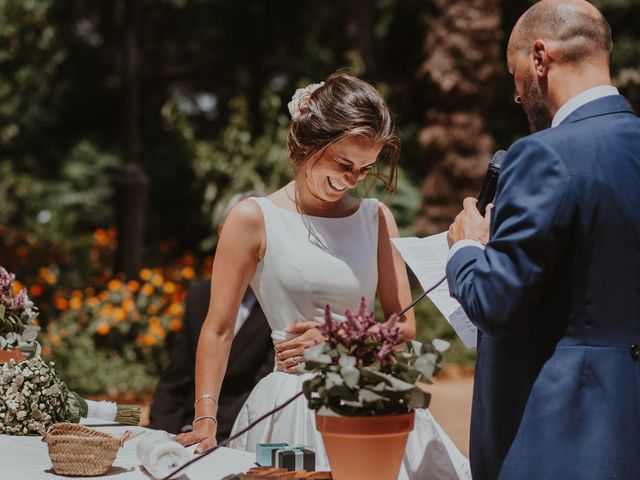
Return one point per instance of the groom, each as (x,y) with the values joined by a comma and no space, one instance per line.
(555,292)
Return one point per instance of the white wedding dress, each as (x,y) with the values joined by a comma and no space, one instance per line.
(311,262)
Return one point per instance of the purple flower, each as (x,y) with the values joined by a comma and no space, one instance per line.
(362,340)
(6,279)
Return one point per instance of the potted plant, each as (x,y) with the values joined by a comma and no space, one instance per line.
(365,390)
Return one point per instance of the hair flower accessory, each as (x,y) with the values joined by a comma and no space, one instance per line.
(300,98)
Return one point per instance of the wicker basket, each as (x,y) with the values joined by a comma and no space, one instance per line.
(81,451)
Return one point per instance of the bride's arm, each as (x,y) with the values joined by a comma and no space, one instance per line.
(240,246)
(393,290)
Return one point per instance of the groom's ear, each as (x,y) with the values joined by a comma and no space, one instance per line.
(541,58)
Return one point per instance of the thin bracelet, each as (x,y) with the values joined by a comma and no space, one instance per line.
(203,417)
(203,396)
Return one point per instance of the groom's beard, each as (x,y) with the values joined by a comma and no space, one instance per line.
(533,104)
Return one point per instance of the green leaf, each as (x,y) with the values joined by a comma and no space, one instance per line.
(351,376)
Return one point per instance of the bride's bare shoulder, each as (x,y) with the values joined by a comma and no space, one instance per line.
(246,214)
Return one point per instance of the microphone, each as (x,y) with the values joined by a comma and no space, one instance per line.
(490,181)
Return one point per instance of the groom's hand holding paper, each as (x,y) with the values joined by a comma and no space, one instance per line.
(427,258)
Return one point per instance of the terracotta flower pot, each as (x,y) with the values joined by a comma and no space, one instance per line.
(365,448)
(15,354)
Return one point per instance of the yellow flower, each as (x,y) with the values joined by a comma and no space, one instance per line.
(145,274)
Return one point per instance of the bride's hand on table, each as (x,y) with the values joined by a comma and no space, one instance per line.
(290,353)
(203,433)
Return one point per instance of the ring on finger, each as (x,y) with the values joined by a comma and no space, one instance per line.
(295,360)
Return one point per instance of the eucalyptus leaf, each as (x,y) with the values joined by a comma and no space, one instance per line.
(315,354)
(426,364)
(351,376)
(30,333)
(347,361)
(418,398)
(440,345)
(333,379)
(327,412)
(365,395)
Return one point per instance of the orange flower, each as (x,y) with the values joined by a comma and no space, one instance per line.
(61,303)
(176,309)
(114,285)
(35,290)
(169,287)
(133,285)
(145,274)
(188,273)
(147,289)
(93,301)
(118,314)
(154,321)
(175,325)
(128,305)
(75,303)
(157,279)
(101,237)
(17,286)
(103,328)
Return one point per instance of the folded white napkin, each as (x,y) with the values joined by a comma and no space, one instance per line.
(160,454)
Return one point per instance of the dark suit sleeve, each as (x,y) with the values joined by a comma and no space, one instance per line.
(529,230)
(172,405)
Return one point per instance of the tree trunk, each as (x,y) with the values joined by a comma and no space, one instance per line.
(462,59)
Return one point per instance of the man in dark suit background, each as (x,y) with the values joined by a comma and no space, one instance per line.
(555,292)
(250,359)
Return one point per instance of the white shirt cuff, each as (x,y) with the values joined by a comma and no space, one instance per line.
(463,243)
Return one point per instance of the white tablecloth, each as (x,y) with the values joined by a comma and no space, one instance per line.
(27,458)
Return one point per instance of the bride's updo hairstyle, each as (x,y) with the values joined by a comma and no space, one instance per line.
(342,106)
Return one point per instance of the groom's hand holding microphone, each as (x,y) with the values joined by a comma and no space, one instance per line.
(470,224)
(474,220)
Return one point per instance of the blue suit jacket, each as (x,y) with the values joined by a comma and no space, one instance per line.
(556,297)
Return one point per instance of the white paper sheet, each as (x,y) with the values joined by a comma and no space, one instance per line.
(427,258)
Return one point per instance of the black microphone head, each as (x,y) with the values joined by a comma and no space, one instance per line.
(497,159)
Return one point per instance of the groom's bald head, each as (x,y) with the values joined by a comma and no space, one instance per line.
(576,29)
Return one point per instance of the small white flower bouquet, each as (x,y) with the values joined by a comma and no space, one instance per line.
(32,397)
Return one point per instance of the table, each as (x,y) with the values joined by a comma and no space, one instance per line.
(27,458)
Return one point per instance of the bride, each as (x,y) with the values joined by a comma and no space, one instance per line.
(307,245)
